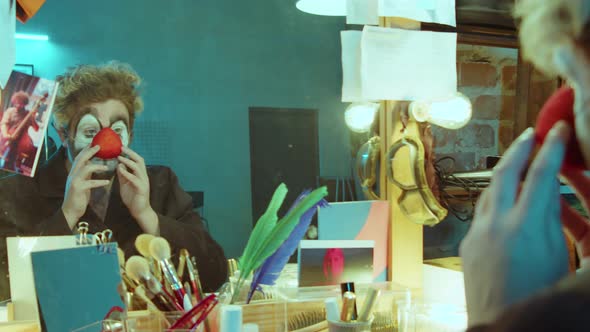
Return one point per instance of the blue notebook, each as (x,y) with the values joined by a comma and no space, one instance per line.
(76,287)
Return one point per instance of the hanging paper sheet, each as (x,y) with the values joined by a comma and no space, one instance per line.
(362,12)
(401,64)
(432,11)
(351,66)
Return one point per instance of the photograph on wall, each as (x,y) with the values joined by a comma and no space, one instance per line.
(332,262)
(25,112)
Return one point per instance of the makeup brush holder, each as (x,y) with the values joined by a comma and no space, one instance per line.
(266,308)
(233,293)
(354,326)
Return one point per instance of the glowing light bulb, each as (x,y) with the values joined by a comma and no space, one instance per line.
(323,7)
(451,113)
(359,116)
(28,36)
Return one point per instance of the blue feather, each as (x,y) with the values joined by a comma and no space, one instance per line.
(270,270)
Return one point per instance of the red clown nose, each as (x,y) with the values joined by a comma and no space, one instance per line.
(560,106)
(110,144)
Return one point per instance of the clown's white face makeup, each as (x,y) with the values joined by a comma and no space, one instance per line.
(111,113)
(89,126)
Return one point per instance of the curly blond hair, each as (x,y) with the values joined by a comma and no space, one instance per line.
(86,84)
(545,24)
(21,96)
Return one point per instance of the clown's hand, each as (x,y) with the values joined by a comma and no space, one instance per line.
(135,190)
(575,224)
(515,246)
(79,185)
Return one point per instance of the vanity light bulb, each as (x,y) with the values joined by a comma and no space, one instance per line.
(360,116)
(322,7)
(450,113)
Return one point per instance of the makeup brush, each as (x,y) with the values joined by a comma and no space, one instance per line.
(195,281)
(198,279)
(181,264)
(193,275)
(160,250)
(140,293)
(137,268)
(142,244)
(129,283)
(121,256)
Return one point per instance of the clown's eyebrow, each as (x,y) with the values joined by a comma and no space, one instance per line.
(94,111)
(88,110)
(116,118)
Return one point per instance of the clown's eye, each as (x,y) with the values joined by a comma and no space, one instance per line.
(120,128)
(90,132)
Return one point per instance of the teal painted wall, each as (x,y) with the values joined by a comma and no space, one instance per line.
(204,63)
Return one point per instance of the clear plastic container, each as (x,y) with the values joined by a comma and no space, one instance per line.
(425,317)
(139,321)
(340,326)
(305,306)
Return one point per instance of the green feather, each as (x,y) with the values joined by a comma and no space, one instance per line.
(265,240)
(285,226)
(264,225)
(281,232)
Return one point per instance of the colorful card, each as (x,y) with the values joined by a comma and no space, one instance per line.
(333,262)
(76,287)
(359,220)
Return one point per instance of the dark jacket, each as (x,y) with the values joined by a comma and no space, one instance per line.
(561,308)
(32,206)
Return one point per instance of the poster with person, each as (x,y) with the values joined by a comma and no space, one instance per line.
(26,104)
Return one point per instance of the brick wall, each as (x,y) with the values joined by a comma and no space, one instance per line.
(487,75)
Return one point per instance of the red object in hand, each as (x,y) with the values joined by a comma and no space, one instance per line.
(560,106)
(110,143)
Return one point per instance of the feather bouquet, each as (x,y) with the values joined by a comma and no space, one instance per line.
(273,241)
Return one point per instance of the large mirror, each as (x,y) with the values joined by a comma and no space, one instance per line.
(241,96)
(212,71)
